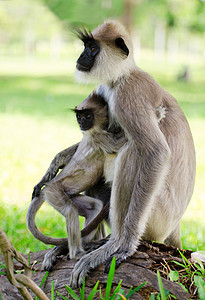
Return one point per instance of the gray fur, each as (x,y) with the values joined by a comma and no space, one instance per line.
(83,167)
(155,170)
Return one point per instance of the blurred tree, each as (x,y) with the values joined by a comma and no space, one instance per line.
(156,24)
(150,16)
(197,23)
(87,12)
(28,22)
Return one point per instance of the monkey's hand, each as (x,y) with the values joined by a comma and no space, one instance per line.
(36,190)
(95,258)
(46,178)
(50,174)
(59,161)
(109,142)
(91,261)
(120,256)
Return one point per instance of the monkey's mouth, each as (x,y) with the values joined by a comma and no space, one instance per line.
(83,68)
(84,127)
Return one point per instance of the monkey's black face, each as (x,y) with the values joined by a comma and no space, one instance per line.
(85,119)
(87,58)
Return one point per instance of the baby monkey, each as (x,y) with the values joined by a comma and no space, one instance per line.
(87,166)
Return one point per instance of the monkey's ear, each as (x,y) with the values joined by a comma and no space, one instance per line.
(119,42)
(74,109)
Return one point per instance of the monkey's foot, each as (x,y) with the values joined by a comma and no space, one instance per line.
(50,257)
(49,261)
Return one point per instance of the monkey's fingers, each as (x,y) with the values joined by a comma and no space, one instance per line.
(46,178)
(36,193)
(50,257)
(119,255)
(36,190)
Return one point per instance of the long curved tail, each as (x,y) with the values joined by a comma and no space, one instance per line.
(35,205)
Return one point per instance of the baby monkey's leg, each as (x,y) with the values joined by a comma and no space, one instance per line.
(90,208)
(62,202)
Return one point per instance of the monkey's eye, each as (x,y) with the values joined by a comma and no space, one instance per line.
(93,49)
(88,116)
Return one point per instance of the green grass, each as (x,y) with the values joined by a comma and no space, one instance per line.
(36,123)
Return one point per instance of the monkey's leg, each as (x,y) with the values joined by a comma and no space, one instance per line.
(61,201)
(50,258)
(152,169)
(73,179)
(102,191)
(89,208)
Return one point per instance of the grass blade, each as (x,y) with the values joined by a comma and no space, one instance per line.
(44,279)
(199,265)
(63,297)
(110,279)
(161,288)
(72,293)
(42,282)
(101,296)
(117,289)
(185,260)
(93,292)
(132,291)
(82,290)
(179,264)
(122,296)
(52,290)
(183,286)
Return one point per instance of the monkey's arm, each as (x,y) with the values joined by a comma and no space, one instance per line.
(59,162)
(109,142)
(149,155)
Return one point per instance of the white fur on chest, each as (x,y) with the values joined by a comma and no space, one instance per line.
(109,167)
(109,94)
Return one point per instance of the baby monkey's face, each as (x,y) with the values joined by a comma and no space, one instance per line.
(85,119)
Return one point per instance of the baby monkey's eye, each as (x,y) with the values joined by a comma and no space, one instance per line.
(88,116)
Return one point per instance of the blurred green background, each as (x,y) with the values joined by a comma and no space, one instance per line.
(38,52)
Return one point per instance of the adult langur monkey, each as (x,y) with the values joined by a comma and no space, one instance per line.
(85,169)
(155,170)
